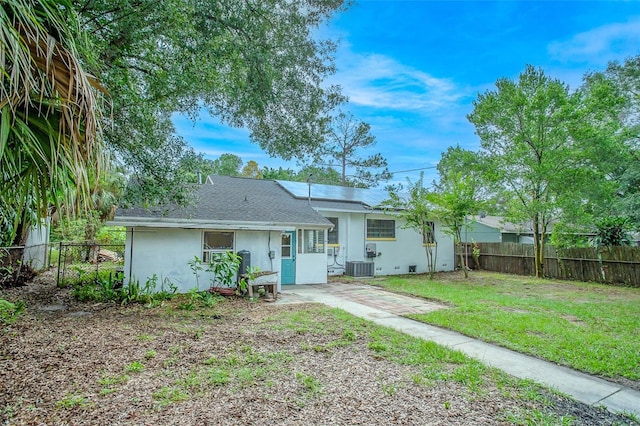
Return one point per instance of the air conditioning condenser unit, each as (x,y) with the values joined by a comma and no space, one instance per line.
(359,269)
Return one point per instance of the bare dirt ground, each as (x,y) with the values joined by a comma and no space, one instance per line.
(238,363)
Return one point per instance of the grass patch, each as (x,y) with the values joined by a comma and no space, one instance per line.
(245,366)
(144,337)
(134,367)
(72,401)
(107,380)
(539,417)
(589,327)
(311,385)
(168,395)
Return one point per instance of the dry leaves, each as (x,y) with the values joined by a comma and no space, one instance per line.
(240,363)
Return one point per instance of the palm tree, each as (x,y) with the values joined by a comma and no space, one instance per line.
(49,114)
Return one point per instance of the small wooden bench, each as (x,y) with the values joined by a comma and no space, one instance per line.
(266,279)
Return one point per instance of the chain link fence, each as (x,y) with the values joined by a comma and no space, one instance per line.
(86,262)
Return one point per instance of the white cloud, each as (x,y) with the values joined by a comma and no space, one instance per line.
(600,44)
(379,81)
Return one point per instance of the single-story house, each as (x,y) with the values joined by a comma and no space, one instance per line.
(366,240)
(495,229)
(303,232)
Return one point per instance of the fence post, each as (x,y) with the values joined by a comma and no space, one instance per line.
(97,263)
(59,259)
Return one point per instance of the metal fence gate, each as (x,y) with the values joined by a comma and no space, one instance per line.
(86,262)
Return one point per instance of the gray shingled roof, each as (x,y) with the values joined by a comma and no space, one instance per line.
(233,199)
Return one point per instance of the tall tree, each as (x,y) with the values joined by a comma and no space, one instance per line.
(471,166)
(456,198)
(253,64)
(319,175)
(50,144)
(252,170)
(345,138)
(194,167)
(227,165)
(415,208)
(524,128)
(625,77)
(312,174)
(278,174)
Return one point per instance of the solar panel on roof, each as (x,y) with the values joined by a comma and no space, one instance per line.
(370,197)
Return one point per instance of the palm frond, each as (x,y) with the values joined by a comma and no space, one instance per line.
(50,110)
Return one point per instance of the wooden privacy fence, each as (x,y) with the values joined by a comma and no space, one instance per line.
(609,265)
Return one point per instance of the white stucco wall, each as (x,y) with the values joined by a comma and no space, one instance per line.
(396,255)
(166,252)
(311,268)
(36,245)
(350,236)
(259,243)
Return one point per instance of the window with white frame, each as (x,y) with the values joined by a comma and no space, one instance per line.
(216,242)
(381,228)
(311,241)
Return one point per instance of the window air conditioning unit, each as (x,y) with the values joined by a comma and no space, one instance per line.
(359,269)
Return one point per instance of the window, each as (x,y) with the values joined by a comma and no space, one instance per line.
(332,237)
(310,240)
(216,242)
(286,249)
(429,237)
(381,228)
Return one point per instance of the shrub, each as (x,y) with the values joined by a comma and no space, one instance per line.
(9,312)
(109,289)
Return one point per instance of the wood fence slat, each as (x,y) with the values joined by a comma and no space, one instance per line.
(609,265)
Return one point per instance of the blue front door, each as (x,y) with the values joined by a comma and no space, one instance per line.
(288,269)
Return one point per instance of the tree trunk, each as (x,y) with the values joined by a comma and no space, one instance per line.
(463,257)
(538,247)
(431,259)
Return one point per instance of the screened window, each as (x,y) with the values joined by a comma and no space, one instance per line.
(216,242)
(332,236)
(429,237)
(310,240)
(381,228)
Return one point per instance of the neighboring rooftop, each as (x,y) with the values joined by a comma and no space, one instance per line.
(499,222)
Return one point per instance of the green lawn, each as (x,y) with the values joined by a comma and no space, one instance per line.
(589,327)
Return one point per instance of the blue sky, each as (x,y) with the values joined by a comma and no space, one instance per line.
(411,69)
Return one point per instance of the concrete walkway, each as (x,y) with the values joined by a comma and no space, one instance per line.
(386,308)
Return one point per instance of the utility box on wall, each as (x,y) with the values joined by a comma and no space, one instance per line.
(359,269)
(370,250)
